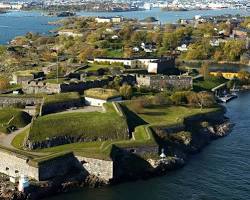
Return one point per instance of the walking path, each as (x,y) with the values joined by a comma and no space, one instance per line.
(6,139)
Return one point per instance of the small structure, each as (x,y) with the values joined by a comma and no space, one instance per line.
(23,183)
(182,48)
(164,65)
(162,155)
(99,96)
(69,33)
(116,19)
(27,75)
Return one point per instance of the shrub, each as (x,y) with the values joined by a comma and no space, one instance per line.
(161,99)
(179,98)
(126,91)
(4,83)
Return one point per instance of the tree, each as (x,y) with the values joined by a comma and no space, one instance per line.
(4,84)
(179,98)
(204,70)
(201,99)
(205,99)
(161,99)
(233,49)
(126,91)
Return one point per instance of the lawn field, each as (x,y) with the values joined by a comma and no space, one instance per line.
(61,97)
(13,117)
(170,115)
(208,85)
(91,126)
(110,125)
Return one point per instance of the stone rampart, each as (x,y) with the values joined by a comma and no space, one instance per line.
(61,106)
(15,165)
(6,101)
(100,168)
(34,86)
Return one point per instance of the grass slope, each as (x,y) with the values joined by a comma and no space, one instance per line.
(61,97)
(13,117)
(92,125)
(212,82)
(169,115)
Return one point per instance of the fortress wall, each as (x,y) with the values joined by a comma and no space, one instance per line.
(100,168)
(59,166)
(6,101)
(15,165)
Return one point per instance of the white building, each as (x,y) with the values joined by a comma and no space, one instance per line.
(69,33)
(151,64)
(182,48)
(90,101)
(109,19)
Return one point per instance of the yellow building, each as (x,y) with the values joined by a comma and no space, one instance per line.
(226,75)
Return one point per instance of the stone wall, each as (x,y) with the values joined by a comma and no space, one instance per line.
(165,82)
(6,101)
(59,166)
(15,165)
(34,87)
(61,106)
(100,168)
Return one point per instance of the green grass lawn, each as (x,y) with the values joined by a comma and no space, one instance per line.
(212,82)
(101,93)
(106,124)
(18,141)
(13,117)
(61,97)
(91,125)
(95,66)
(115,53)
(169,115)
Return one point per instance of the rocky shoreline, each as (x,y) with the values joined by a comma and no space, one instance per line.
(206,132)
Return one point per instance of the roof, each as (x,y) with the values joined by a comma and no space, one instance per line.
(100,93)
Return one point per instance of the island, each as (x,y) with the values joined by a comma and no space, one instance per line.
(108,99)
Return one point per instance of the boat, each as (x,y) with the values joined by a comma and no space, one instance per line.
(66,14)
(227,97)
(234,89)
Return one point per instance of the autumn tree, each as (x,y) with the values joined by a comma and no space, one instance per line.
(233,49)
(204,70)
(4,84)
(126,91)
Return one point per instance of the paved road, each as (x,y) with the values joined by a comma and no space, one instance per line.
(84,110)
(6,139)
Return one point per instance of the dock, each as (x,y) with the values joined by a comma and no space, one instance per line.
(227,98)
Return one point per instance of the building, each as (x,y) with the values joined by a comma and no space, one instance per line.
(116,19)
(182,48)
(162,82)
(226,75)
(241,33)
(164,65)
(28,75)
(69,33)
